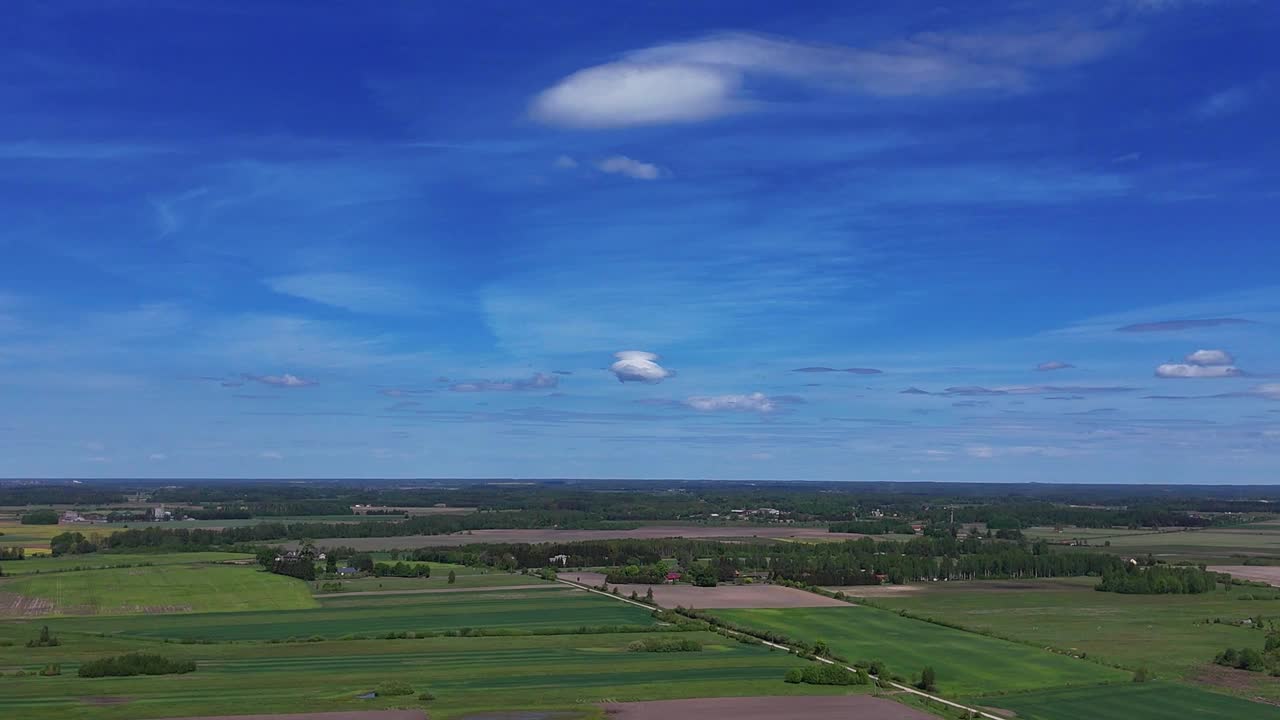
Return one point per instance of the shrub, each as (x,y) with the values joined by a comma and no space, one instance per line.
(795,675)
(46,639)
(392,688)
(426,696)
(135,664)
(1142,675)
(824,674)
(928,680)
(662,645)
(51,669)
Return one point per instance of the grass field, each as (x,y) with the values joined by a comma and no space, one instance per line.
(108,560)
(1165,633)
(966,663)
(365,615)
(467,675)
(1148,701)
(162,588)
(439,580)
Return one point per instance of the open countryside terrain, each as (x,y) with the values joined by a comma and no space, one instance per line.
(721,596)
(1147,701)
(765,708)
(727,531)
(159,589)
(966,663)
(1175,636)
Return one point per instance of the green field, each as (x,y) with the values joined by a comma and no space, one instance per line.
(439,580)
(163,589)
(966,663)
(371,615)
(1165,633)
(467,675)
(1149,701)
(106,560)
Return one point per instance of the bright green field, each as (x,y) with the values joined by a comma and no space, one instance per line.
(467,675)
(966,663)
(163,588)
(106,560)
(1149,701)
(1165,633)
(365,615)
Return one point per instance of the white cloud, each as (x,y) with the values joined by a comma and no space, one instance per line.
(755,402)
(1270,391)
(1210,357)
(157,456)
(1054,365)
(1182,370)
(349,291)
(702,79)
(638,366)
(285,380)
(539,381)
(623,165)
(565,162)
(270,455)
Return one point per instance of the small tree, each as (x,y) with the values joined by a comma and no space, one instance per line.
(928,680)
(1141,675)
(453,577)
(648,596)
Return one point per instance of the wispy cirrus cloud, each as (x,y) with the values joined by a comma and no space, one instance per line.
(285,380)
(1179,325)
(852,370)
(1054,365)
(538,381)
(350,291)
(981,391)
(755,402)
(629,167)
(710,77)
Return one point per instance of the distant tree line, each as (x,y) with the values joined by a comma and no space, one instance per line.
(40,517)
(135,664)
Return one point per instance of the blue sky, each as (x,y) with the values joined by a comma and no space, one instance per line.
(285,239)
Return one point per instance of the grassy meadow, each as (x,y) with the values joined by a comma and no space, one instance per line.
(1146,701)
(966,663)
(48,564)
(162,589)
(1168,634)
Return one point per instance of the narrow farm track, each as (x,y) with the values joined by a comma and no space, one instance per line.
(896,686)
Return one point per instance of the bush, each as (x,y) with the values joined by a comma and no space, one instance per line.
(662,645)
(824,674)
(45,640)
(1142,675)
(135,664)
(392,688)
(51,669)
(928,680)
(426,696)
(795,675)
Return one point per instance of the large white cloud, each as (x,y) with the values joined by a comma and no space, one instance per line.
(1186,370)
(638,366)
(755,402)
(705,78)
(1210,357)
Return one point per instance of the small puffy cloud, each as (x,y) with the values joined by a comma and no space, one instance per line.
(639,366)
(755,402)
(538,381)
(1054,365)
(564,162)
(623,165)
(1185,370)
(286,380)
(1177,325)
(1210,357)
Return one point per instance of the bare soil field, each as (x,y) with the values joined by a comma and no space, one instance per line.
(13,605)
(552,535)
(875,590)
(721,596)
(356,715)
(1256,573)
(767,708)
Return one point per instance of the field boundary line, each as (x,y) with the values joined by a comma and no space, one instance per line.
(828,661)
